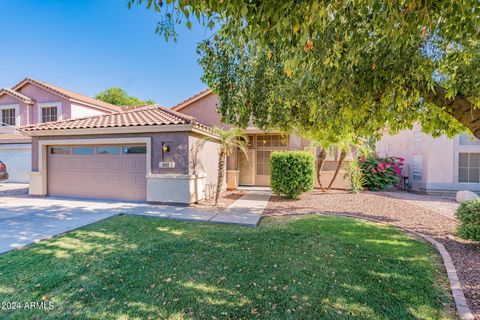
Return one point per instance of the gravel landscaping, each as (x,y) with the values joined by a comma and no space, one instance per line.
(225,200)
(382,207)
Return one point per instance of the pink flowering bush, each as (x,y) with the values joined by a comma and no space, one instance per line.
(381,173)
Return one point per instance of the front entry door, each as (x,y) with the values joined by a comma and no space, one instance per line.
(245,165)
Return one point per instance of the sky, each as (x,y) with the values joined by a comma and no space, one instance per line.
(90,45)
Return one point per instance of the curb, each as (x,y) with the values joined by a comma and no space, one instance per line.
(458,296)
(13,192)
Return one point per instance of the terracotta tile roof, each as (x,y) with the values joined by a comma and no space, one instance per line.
(186,102)
(152,115)
(16,95)
(66,94)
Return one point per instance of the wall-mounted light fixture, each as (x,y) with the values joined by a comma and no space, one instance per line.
(166,148)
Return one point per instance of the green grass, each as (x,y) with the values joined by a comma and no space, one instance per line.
(313,267)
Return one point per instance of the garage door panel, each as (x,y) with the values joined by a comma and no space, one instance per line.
(128,179)
(115,177)
(140,165)
(101,179)
(139,181)
(115,165)
(128,164)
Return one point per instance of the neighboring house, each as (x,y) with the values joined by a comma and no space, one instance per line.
(30,102)
(253,169)
(148,154)
(435,165)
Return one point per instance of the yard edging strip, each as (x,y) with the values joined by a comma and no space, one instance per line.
(455,285)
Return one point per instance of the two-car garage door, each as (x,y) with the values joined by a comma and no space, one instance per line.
(115,172)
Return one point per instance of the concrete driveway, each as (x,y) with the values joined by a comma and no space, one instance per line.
(24,219)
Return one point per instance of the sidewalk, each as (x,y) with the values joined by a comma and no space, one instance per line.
(446,206)
(13,189)
(245,211)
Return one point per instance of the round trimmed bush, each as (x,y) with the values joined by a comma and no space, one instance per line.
(469,215)
(292,173)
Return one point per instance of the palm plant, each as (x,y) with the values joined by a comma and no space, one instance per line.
(230,140)
(345,144)
(321,156)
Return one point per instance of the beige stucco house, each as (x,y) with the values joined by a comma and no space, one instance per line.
(151,153)
(143,154)
(253,168)
(435,165)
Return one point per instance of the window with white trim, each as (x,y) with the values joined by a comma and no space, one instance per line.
(469,167)
(417,170)
(49,114)
(8,117)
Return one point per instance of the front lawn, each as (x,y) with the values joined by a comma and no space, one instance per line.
(313,267)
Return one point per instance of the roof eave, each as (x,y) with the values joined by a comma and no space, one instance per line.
(122,130)
(109,130)
(16,97)
(191,100)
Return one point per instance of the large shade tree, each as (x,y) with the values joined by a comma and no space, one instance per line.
(324,68)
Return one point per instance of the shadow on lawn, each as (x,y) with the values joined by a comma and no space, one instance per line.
(314,267)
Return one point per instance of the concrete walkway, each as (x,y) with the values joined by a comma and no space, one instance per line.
(25,220)
(246,211)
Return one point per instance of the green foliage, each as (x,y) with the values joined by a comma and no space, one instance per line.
(469,215)
(381,173)
(119,97)
(354,174)
(336,66)
(292,172)
(230,140)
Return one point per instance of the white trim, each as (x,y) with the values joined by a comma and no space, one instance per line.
(47,87)
(15,106)
(42,105)
(94,106)
(39,178)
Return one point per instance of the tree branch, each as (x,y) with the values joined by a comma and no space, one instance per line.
(459,107)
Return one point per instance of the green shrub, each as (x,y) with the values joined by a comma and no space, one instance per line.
(469,215)
(292,172)
(381,173)
(355,177)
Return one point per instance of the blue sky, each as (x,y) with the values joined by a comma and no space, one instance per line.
(90,45)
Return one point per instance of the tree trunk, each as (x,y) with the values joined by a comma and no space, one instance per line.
(221,169)
(320,161)
(343,155)
(459,108)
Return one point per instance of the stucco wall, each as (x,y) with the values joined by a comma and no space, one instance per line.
(177,140)
(78,111)
(438,158)
(42,96)
(205,110)
(204,158)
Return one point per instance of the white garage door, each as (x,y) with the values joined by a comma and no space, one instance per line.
(111,172)
(18,159)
